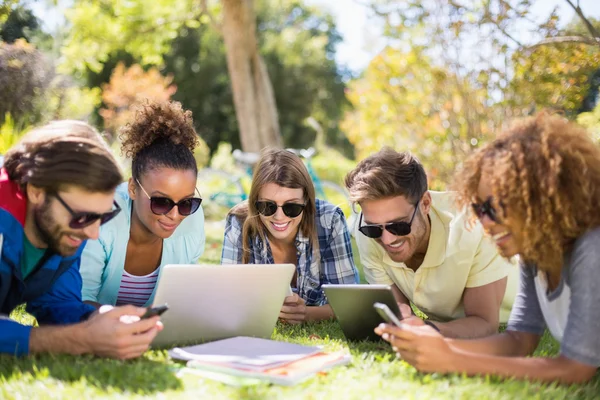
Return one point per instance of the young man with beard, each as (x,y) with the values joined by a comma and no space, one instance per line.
(418,242)
(56,189)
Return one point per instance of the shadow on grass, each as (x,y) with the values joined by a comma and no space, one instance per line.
(141,376)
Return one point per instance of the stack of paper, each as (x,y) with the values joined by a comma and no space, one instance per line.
(257,359)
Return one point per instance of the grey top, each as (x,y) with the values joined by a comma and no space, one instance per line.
(572,311)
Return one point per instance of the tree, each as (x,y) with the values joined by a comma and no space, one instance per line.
(252,91)
(145,29)
(524,63)
(297,43)
(404,101)
(25,75)
(19,24)
(129,88)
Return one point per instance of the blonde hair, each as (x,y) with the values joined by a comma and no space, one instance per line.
(285,169)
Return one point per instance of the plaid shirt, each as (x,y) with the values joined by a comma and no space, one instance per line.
(336,264)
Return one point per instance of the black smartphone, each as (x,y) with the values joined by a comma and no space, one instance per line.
(152,311)
(388,316)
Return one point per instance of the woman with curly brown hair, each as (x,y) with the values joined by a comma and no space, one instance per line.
(536,191)
(162,221)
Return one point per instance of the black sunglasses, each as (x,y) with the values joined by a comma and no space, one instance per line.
(374,231)
(80,220)
(486,208)
(268,208)
(162,205)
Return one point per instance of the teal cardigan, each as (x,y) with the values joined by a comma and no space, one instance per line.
(103,260)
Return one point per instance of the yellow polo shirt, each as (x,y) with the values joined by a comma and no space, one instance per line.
(456,258)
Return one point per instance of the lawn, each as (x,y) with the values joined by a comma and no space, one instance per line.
(374,373)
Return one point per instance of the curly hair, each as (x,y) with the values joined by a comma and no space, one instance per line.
(546,173)
(162,135)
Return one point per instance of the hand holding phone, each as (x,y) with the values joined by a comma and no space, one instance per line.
(388,316)
(153,311)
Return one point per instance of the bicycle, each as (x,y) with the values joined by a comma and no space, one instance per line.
(225,189)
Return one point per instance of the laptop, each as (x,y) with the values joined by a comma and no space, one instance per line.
(353,308)
(211,302)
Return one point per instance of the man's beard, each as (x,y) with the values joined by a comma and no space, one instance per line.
(50,231)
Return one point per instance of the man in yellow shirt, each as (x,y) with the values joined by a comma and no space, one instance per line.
(418,242)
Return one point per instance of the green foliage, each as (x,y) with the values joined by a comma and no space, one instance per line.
(25,77)
(331,165)
(296,41)
(591,120)
(405,102)
(6,7)
(140,28)
(20,24)
(10,133)
(32,92)
(556,77)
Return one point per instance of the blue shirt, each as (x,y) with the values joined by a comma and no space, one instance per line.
(103,260)
(335,264)
(53,289)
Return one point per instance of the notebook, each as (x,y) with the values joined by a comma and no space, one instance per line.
(244,352)
(288,374)
(242,361)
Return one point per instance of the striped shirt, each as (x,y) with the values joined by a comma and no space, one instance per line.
(135,289)
(333,265)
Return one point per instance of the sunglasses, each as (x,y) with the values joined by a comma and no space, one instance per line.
(374,231)
(162,205)
(486,208)
(268,208)
(80,220)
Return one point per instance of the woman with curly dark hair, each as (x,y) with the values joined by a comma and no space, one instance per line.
(162,221)
(536,191)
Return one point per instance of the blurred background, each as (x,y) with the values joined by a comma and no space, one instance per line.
(436,77)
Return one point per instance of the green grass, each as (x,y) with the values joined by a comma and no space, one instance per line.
(373,373)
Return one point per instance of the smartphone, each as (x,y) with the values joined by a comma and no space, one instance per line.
(388,316)
(152,311)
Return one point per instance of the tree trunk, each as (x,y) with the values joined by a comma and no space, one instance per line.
(253,96)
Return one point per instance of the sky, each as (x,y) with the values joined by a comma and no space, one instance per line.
(361,33)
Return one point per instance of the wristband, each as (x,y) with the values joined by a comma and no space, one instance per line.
(431,324)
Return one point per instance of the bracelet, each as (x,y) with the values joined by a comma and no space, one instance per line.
(431,324)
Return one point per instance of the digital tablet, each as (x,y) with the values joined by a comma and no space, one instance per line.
(353,308)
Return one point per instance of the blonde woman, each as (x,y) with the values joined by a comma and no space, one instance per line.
(282,222)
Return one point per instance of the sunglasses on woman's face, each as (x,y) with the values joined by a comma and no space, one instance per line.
(163,205)
(80,220)
(268,208)
(374,231)
(486,208)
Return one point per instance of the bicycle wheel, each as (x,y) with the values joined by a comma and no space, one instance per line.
(220,190)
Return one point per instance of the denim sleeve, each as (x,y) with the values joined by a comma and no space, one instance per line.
(62,304)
